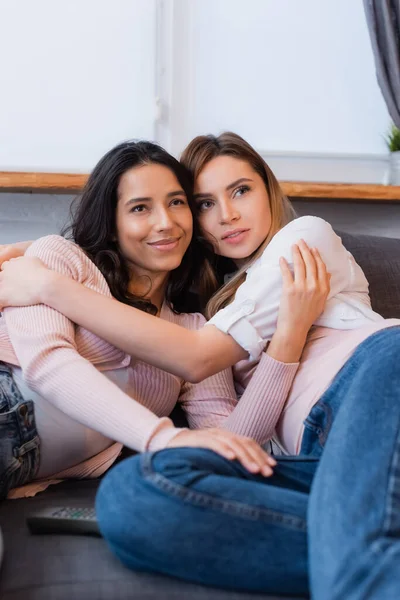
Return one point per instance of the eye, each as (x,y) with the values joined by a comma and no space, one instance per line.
(139,208)
(240,191)
(178,202)
(205,205)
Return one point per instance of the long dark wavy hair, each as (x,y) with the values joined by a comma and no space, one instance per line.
(93,225)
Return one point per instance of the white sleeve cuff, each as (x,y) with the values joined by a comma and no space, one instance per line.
(233,321)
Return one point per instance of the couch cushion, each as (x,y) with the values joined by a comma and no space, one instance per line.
(62,567)
(57,567)
(379,258)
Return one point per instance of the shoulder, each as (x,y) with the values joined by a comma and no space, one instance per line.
(316,232)
(312,227)
(63,256)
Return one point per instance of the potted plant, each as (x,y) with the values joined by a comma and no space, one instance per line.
(393,144)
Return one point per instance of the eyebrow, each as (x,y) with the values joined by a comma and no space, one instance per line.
(228,188)
(235,183)
(149,199)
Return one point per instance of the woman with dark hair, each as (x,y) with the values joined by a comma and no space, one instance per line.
(223,525)
(68,399)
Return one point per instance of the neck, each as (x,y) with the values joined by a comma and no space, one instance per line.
(239,262)
(150,285)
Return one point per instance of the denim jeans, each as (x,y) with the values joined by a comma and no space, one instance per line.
(19,442)
(354,507)
(192,514)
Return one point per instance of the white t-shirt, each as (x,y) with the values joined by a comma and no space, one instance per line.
(252,316)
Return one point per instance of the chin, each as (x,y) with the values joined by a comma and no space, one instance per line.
(168,265)
(237,253)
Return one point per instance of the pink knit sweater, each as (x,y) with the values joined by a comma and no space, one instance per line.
(64,363)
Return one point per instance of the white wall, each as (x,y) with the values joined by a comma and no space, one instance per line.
(77,76)
(296,78)
(288,75)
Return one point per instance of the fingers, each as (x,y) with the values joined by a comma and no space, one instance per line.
(309,262)
(307,266)
(229,445)
(250,454)
(8,251)
(262,462)
(287,276)
(249,459)
(323,276)
(299,267)
(7,263)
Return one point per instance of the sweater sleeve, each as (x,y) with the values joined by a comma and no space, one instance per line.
(44,342)
(213,402)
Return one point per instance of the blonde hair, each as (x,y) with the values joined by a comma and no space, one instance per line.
(198,153)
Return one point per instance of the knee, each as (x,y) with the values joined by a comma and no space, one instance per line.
(134,493)
(120,501)
(143,491)
(140,494)
(380,353)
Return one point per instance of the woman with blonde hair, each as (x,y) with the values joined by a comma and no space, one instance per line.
(221,524)
(69,400)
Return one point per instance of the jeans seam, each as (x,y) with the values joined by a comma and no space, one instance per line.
(228,507)
(393,477)
(26,445)
(4,394)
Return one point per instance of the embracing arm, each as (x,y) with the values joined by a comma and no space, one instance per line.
(192,355)
(213,402)
(44,342)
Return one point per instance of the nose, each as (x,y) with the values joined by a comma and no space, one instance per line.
(163,219)
(228,212)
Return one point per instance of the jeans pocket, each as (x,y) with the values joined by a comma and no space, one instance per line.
(22,467)
(19,447)
(9,392)
(316,429)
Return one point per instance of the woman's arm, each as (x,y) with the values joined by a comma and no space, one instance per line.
(9,251)
(213,402)
(192,355)
(251,318)
(44,342)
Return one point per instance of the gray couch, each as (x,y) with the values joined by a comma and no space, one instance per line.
(68,568)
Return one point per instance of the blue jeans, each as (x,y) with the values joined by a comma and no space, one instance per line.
(194,515)
(19,442)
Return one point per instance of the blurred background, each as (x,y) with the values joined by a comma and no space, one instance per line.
(296,78)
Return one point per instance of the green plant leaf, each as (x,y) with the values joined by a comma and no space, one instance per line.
(393,139)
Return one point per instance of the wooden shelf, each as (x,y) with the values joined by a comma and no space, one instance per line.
(71,183)
(62,183)
(341,191)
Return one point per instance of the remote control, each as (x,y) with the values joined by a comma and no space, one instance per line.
(79,521)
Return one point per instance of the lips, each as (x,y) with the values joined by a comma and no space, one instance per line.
(165,244)
(229,235)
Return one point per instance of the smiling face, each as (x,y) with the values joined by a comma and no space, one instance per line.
(233,207)
(153,220)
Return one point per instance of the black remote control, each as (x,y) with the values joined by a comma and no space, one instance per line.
(64,519)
